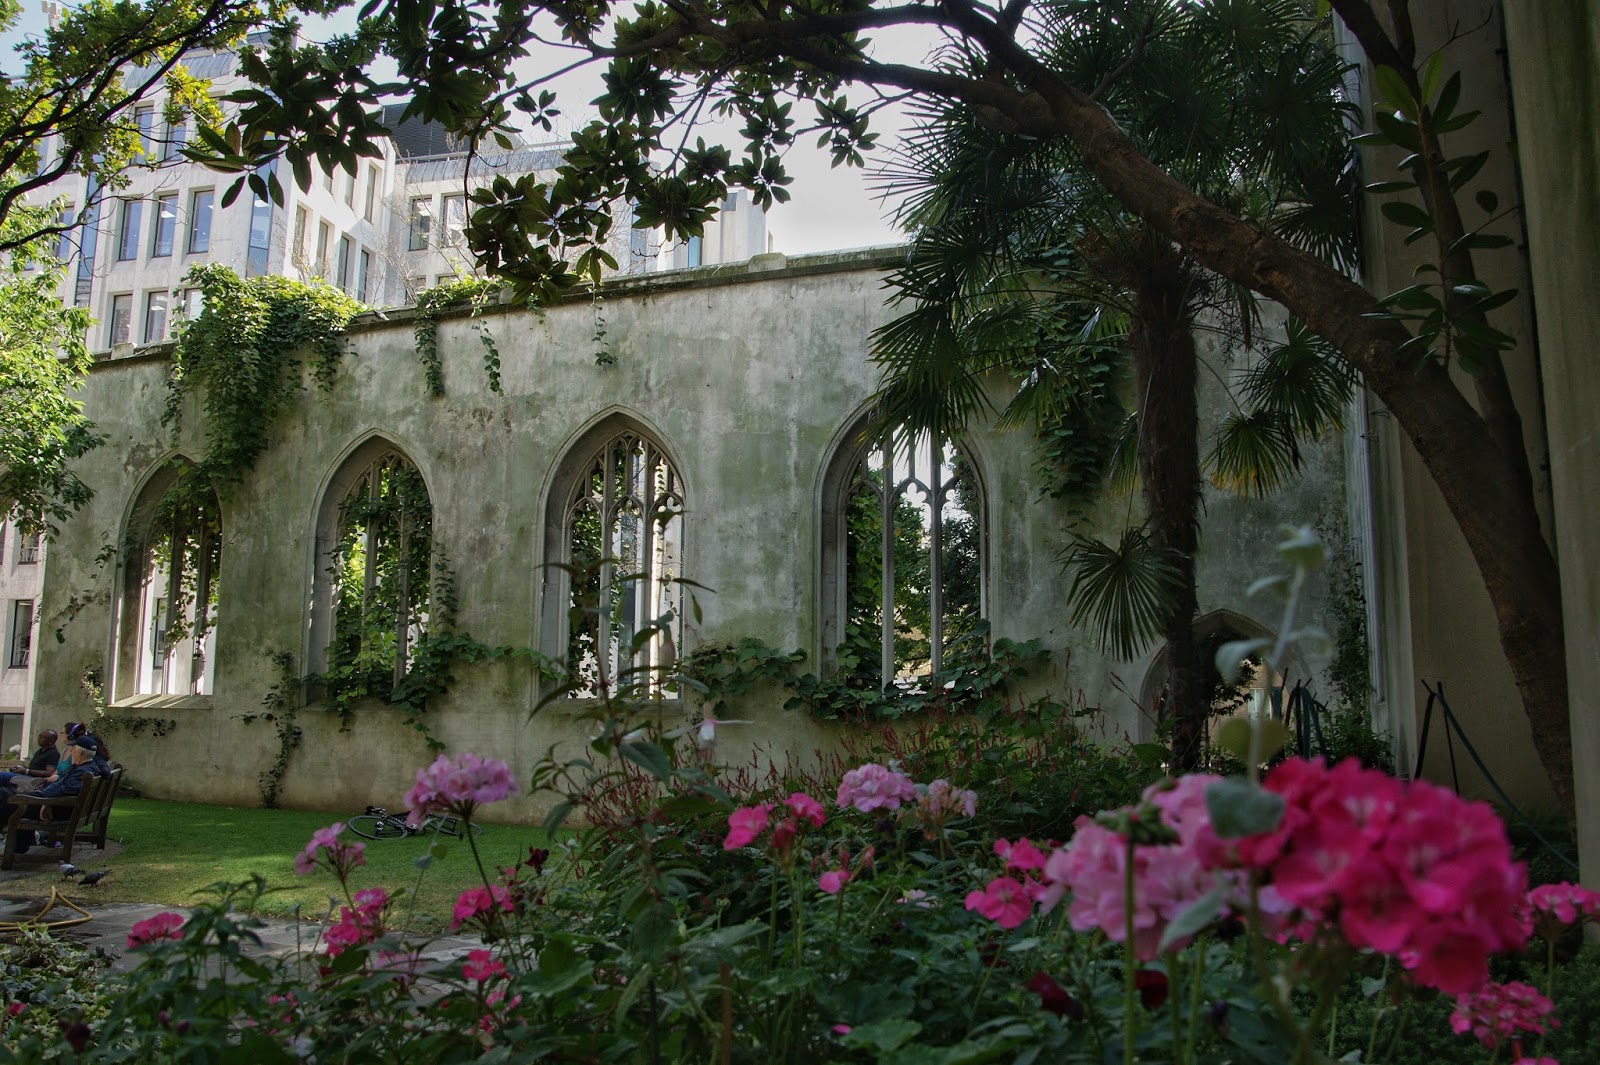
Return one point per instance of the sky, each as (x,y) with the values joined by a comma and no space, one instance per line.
(831,208)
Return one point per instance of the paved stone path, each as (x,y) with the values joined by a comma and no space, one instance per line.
(23,891)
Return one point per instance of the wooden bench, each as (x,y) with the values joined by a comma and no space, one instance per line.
(83,816)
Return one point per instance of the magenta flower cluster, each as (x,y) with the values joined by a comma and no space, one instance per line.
(359,924)
(1498,1012)
(154,930)
(480,902)
(456,785)
(325,844)
(1408,870)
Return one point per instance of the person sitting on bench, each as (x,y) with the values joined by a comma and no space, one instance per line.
(81,753)
(40,768)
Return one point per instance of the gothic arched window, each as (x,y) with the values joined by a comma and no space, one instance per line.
(168,637)
(617,516)
(374,580)
(903,557)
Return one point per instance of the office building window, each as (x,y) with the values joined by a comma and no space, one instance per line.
(128,238)
(177,137)
(349,180)
(166,227)
(21,633)
(455,218)
(373,174)
(342,278)
(324,239)
(28,549)
(64,239)
(298,249)
(190,303)
(260,234)
(421,222)
(42,157)
(121,319)
(155,317)
(445,279)
(363,264)
(144,117)
(695,246)
(200,222)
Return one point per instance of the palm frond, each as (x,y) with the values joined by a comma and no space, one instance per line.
(1122,466)
(1302,382)
(1121,593)
(1254,453)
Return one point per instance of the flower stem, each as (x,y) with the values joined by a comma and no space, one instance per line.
(1174,970)
(1377,1015)
(1129,1022)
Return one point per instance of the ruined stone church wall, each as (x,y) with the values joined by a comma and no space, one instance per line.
(746,377)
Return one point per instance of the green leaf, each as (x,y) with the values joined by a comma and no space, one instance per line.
(1231,655)
(654,930)
(1239,808)
(1405,213)
(1302,549)
(1430,73)
(1199,913)
(1393,93)
(647,756)
(1487,200)
(1237,733)
(883,1036)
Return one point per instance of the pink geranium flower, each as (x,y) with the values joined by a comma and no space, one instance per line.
(457,785)
(874,787)
(806,808)
(482,966)
(1022,855)
(154,929)
(1003,900)
(341,857)
(745,824)
(833,881)
(477,901)
(941,801)
(1497,1012)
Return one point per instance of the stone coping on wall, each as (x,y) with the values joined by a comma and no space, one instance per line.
(162,702)
(769,266)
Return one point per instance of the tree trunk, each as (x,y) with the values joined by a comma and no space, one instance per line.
(1161,346)
(1480,483)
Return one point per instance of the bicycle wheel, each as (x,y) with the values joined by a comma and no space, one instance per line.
(371,826)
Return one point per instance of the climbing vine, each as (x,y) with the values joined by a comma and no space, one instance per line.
(102,721)
(428,669)
(429,303)
(977,679)
(243,348)
(280,706)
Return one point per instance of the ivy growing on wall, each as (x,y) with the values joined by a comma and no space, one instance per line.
(429,303)
(977,678)
(357,671)
(244,349)
(280,706)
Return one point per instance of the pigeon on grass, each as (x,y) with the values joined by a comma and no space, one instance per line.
(91,879)
(69,870)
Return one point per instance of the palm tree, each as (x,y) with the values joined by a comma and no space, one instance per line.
(1023,262)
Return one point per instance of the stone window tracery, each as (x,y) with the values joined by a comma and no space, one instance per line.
(903,558)
(167,643)
(619,518)
(375,545)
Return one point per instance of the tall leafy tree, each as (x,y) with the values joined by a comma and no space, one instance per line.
(667,63)
(67,94)
(1023,262)
(42,361)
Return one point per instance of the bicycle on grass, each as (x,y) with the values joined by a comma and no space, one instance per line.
(378,823)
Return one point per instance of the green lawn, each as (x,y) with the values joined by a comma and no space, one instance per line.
(174,849)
